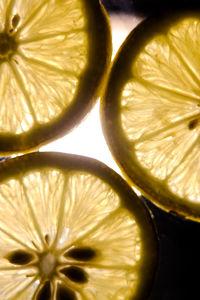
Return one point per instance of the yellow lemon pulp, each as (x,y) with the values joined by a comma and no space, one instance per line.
(70,227)
(151,111)
(48,55)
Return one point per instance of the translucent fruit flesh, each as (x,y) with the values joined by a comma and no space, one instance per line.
(74,229)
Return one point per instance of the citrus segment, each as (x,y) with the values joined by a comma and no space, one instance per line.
(70,225)
(21,118)
(49,52)
(30,78)
(151,111)
(20,288)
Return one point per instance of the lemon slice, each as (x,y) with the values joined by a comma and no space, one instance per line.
(71,228)
(151,111)
(53,60)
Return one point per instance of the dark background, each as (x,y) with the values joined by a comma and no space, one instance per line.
(178,270)
(149,7)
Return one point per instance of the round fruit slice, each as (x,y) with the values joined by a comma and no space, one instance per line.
(151,111)
(71,228)
(53,60)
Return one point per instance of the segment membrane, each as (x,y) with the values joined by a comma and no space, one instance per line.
(17,284)
(16,218)
(65,51)
(49,94)
(164,151)
(185,39)
(88,201)
(161,63)
(118,240)
(45,191)
(13,99)
(146,108)
(4,7)
(50,16)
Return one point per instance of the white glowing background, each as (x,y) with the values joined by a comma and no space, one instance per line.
(87,139)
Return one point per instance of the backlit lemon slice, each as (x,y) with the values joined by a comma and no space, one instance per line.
(151,111)
(71,228)
(53,59)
